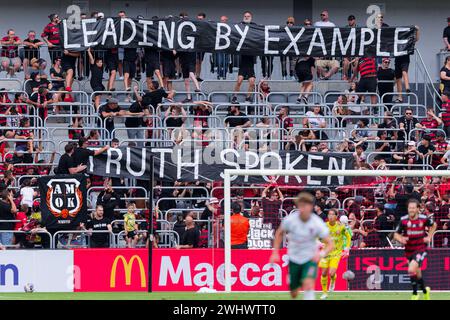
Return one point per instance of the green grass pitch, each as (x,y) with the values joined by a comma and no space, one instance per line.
(209,296)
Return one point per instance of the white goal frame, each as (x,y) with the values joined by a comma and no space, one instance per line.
(228,173)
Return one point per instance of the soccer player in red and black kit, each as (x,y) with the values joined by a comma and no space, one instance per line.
(412,232)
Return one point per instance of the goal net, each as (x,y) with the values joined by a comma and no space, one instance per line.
(373,201)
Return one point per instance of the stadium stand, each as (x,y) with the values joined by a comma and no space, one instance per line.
(46,104)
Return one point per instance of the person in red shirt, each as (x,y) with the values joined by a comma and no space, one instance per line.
(10,59)
(52,38)
(432,121)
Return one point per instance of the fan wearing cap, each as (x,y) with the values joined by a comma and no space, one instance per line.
(303,228)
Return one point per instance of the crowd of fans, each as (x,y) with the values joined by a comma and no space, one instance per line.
(374,120)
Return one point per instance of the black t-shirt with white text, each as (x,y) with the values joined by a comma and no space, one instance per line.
(99,225)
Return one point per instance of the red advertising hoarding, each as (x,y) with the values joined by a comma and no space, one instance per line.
(181,270)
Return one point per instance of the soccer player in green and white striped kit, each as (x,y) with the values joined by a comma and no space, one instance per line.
(303,229)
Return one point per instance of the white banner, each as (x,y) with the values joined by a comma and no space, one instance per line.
(47,270)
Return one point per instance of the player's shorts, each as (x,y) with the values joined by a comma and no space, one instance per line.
(367,85)
(130,68)
(330,261)
(418,256)
(299,272)
(131,234)
(169,68)
(247,71)
(401,64)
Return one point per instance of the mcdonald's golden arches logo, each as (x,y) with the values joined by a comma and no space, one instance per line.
(127,268)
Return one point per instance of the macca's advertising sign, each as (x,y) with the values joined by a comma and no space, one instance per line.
(180,270)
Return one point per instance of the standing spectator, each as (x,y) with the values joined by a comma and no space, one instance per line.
(246,67)
(57,74)
(10,53)
(446,35)
(271,204)
(81,154)
(31,50)
(65,164)
(222,59)
(348,61)
(129,66)
(152,67)
(401,73)
(96,82)
(386,77)
(239,228)
(323,64)
(445,106)
(370,237)
(199,55)
(266,66)
(179,226)
(168,58)
(191,235)
(108,112)
(130,226)
(112,65)
(68,65)
(304,69)
(187,62)
(382,222)
(109,200)
(27,193)
(290,61)
(366,67)
(52,37)
(135,121)
(99,223)
(445,76)
(8,210)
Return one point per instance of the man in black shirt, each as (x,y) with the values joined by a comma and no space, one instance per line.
(426,148)
(133,124)
(108,112)
(99,223)
(65,164)
(96,82)
(446,35)
(190,236)
(8,210)
(155,95)
(31,47)
(386,77)
(237,119)
(81,154)
(406,124)
(246,67)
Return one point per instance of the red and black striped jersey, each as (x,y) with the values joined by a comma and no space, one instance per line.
(415,231)
(367,67)
(51,32)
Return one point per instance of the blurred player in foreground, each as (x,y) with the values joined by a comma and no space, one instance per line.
(411,231)
(303,228)
(329,264)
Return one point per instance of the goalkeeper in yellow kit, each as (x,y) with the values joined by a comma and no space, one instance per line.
(329,264)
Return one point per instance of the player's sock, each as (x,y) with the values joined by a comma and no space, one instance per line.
(324,282)
(414,284)
(421,285)
(309,295)
(332,281)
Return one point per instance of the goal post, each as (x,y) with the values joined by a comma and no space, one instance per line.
(229,173)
